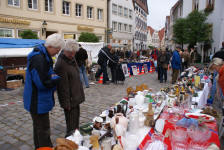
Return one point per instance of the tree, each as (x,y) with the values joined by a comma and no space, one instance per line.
(88,37)
(179,31)
(28,34)
(198,31)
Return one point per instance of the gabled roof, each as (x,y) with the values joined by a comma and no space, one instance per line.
(161,34)
(175,5)
(143,4)
(151,30)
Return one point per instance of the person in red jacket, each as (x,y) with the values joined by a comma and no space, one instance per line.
(155,54)
(217,64)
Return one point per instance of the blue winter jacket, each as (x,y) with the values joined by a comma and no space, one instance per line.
(39,84)
(176,61)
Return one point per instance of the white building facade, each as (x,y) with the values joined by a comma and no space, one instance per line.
(121,23)
(149,36)
(216,17)
(155,39)
(141,12)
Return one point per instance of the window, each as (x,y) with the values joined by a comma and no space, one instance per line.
(49,5)
(100,14)
(6,33)
(89,12)
(119,26)
(66,8)
(195,5)
(125,12)
(21,30)
(114,9)
(15,3)
(32,4)
(69,36)
(210,4)
(120,10)
(125,27)
(130,13)
(114,26)
(78,10)
(130,28)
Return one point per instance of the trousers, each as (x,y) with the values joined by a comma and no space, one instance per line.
(175,75)
(163,74)
(103,69)
(72,120)
(83,76)
(41,130)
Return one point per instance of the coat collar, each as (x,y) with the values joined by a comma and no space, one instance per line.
(67,60)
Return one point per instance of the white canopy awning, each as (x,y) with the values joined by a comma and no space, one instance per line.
(14,52)
(92,50)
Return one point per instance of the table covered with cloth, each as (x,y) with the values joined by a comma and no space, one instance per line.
(212,126)
(139,65)
(202,97)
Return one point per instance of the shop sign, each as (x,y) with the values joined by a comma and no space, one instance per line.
(14,21)
(83,28)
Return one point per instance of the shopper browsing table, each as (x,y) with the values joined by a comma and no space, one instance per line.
(217,64)
(40,85)
(70,89)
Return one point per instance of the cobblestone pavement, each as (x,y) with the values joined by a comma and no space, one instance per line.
(16,124)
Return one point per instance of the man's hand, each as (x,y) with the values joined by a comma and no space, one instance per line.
(55,77)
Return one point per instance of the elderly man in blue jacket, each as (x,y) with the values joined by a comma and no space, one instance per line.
(176,64)
(40,85)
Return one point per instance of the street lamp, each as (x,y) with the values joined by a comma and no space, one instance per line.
(44,27)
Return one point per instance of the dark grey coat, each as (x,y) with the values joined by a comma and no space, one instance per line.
(70,89)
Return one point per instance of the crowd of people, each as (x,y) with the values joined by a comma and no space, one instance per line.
(68,77)
(178,60)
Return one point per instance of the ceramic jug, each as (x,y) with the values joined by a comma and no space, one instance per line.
(139,99)
(119,119)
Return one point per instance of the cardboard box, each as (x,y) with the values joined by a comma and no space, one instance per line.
(14,84)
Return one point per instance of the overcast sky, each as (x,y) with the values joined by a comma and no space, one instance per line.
(158,10)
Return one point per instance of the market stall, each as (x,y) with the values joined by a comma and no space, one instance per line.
(92,50)
(174,118)
(13,59)
(139,65)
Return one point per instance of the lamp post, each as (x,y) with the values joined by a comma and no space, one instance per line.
(44,28)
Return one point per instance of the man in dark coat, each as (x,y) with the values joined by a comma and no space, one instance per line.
(220,54)
(163,61)
(103,57)
(70,89)
(40,85)
(113,64)
(81,57)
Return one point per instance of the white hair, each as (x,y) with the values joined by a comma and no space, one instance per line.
(217,61)
(55,40)
(71,45)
